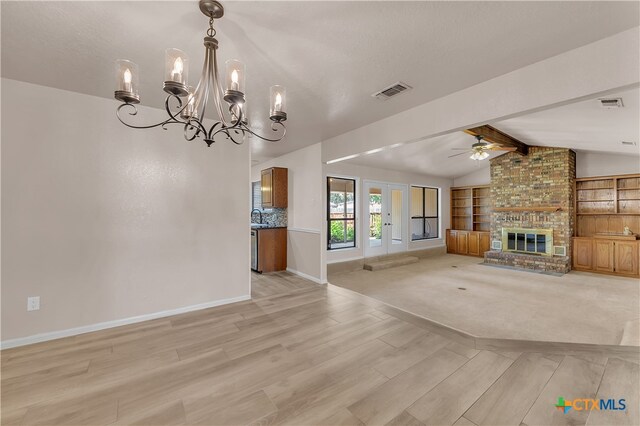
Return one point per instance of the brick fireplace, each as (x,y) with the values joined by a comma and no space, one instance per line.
(533,192)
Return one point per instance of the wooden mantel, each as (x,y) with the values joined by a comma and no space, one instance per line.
(528,209)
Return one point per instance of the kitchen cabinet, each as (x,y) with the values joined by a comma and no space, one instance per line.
(274,183)
(272,249)
(608,254)
(472,243)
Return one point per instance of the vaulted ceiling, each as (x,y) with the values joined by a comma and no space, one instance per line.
(331,56)
(583,126)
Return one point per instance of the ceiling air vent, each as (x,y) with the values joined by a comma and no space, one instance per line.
(393,90)
(630,143)
(611,103)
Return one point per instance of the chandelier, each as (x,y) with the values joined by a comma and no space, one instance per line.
(186,105)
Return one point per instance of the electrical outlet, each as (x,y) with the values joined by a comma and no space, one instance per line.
(33,303)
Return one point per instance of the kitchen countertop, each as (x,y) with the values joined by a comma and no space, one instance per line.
(258,228)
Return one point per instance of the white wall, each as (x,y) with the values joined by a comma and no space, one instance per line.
(595,164)
(482,176)
(362,173)
(305,209)
(106,223)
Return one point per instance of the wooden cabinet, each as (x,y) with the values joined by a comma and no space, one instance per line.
(272,249)
(626,257)
(452,246)
(472,243)
(274,183)
(607,255)
(603,255)
(485,242)
(583,253)
(462,242)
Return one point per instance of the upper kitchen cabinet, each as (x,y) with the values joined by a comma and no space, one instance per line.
(274,183)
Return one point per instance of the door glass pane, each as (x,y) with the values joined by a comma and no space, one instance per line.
(396,216)
(375,217)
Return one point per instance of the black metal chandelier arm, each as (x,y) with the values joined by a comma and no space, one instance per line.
(135,112)
(273,125)
(227,132)
(191,124)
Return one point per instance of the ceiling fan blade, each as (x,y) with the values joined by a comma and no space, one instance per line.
(460,149)
(462,153)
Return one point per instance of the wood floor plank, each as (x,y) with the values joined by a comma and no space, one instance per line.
(164,415)
(410,354)
(620,380)
(447,402)
(574,378)
(390,399)
(404,336)
(224,411)
(342,417)
(341,393)
(508,400)
(463,421)
(288,391)
(405,419)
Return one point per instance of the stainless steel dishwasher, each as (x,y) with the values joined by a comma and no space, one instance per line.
(254,250)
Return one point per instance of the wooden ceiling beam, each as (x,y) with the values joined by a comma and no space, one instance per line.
(495,136)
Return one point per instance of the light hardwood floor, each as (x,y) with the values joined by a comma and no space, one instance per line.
(299,354)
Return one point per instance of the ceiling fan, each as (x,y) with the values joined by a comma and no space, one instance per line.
(479,150)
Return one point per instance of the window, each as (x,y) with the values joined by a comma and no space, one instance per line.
(425,223)
(341,213)
(256,195)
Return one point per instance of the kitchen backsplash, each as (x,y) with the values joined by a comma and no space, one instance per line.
(272,217)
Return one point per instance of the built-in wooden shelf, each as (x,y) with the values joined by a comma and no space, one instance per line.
(607,204)
(528,209)
(474,202)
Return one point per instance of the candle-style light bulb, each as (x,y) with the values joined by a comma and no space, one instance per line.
(178,67)
(126,77)
(234,80)
(278,103)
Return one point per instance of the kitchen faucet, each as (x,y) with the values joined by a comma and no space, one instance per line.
(259,212)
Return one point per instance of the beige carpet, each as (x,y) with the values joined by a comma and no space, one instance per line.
(493,302)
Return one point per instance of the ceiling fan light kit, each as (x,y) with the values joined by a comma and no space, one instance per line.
(186,105)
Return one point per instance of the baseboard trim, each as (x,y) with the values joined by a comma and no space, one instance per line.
(306,276)
(53,335)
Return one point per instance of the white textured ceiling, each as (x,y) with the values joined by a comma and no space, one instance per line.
(330,55)
(582,126)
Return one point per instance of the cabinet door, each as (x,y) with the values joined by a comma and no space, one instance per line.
(266,183)
(474,244)
(603,255)
(583,253)
(451,241)
(462,242)
(485,242)
(626,257)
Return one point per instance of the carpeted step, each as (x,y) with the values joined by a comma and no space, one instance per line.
(390,263)
(631,333)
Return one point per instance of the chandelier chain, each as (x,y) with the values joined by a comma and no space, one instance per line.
(211,32)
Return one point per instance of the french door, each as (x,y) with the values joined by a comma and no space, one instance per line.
(385,211)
